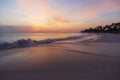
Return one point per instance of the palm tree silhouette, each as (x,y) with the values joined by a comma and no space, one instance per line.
(113,28)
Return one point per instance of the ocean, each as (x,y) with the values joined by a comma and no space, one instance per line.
(11,37)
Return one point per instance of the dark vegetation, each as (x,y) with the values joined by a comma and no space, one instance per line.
(113,28)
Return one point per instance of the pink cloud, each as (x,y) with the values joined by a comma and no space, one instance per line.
(95,10)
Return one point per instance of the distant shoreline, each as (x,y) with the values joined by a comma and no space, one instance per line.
(112,28)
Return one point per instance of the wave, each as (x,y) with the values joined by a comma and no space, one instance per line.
(29,42)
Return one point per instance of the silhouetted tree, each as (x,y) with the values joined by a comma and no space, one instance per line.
(113,28)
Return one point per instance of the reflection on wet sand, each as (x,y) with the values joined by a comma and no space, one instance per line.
(61,59)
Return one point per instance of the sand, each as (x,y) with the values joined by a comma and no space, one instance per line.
(95,58)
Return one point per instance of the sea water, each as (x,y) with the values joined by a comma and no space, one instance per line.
(11,37)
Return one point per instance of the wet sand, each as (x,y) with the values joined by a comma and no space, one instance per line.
(65,60)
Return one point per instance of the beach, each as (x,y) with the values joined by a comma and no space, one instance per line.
(95,57)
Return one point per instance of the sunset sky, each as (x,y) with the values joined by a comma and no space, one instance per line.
(57,15)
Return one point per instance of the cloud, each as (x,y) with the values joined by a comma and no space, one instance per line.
(59,19)
(37,12)
(104,6)
(44,14)
(9,28)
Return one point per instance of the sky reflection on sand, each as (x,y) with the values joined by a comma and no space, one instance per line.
(62,59)
(49,56)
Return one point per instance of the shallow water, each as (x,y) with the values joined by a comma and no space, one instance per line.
(11,37)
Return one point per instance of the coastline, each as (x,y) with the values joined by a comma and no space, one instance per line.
(93,37)
(109,37)
(22,43)
(90,58)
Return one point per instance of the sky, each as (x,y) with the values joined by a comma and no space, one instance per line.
(56,15)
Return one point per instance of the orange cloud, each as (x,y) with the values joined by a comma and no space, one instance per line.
(41,14)
(44,16)
(36,11)
(59,19)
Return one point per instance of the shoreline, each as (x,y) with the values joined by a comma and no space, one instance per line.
(93,37)
(81,59)
(31,43)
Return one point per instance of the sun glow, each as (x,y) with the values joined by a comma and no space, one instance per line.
(53,15)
